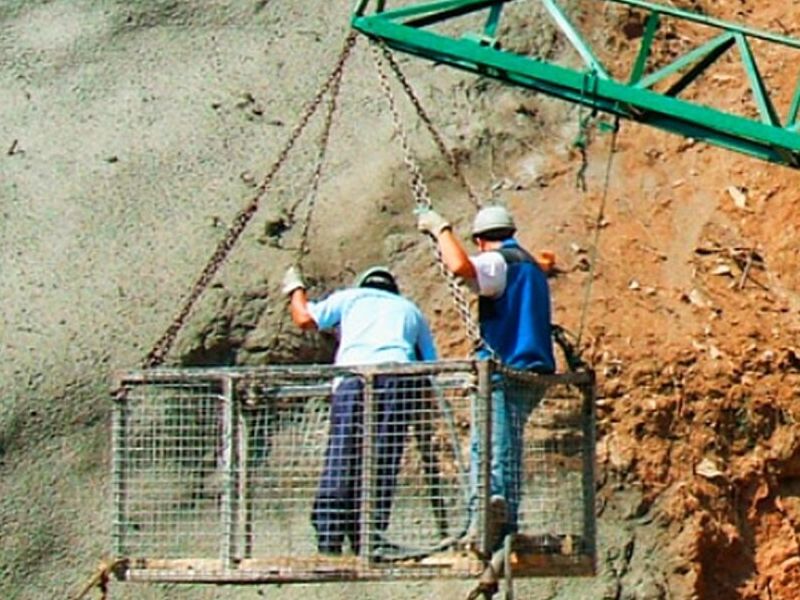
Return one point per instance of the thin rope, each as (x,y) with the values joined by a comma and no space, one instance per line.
(598,226)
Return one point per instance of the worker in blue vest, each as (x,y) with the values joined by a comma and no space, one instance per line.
(375,325)
(515,325)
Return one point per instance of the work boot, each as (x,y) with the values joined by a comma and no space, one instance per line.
(496,522)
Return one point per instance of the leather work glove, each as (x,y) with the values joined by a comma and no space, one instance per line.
(429,221)
(292,280)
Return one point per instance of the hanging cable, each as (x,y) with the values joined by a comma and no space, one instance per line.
(313,193)
(324,141)
(598,225)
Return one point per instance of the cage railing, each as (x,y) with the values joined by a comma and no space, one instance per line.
(318,472)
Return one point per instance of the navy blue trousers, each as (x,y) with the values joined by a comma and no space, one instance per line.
(336,514)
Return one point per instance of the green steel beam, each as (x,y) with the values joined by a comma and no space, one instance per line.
(490,30)
(653,21)
(575,38)
(702,56)
(432,12)
(791,119)
(760,94)
(699,68)
(712,22)
(635,100)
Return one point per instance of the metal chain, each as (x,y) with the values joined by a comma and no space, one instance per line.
(448,154)
(324,140)
(582,142)
(423,200)
(313,193)
(158,353)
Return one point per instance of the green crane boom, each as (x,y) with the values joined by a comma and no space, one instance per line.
(410,29)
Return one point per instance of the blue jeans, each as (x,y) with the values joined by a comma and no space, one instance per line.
(510,412)
(336,514)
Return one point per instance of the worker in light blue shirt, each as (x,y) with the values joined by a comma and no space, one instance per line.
(376,325)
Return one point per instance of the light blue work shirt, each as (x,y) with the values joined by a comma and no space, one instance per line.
(374,326)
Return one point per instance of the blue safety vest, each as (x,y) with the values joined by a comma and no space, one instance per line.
(516,325)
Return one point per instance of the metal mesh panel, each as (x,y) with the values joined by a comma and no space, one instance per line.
(556,509)
(170,438)
(314,473)
(285,433)
(358,471)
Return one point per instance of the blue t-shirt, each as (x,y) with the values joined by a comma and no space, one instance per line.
(374,326)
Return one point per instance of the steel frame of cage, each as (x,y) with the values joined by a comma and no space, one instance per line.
(188,500)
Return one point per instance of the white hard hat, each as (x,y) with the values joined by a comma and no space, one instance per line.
(491,218)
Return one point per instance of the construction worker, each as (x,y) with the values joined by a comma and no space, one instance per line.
(514,317)
(375,325)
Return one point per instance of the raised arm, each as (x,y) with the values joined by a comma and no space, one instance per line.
(295,289)
(454,255)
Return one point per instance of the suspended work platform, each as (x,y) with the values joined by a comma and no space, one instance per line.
(217,473)
(653,88)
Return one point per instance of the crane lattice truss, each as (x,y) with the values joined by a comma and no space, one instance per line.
(217,473)
(653,91)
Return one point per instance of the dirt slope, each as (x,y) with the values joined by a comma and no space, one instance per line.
(132,133)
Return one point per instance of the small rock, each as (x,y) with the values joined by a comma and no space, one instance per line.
(723,269)
(698,298)
(708,469)
(738,196)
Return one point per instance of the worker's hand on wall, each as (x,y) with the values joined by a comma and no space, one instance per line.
(292,280)
(429,221)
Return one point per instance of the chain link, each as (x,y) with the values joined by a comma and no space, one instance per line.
(312,196)
(161,348)
(448,154)
(423,200)
(317,176)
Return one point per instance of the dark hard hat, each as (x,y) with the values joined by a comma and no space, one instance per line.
(380,277)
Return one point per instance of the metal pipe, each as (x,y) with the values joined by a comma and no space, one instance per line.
(369,469)
(575,38)
(228,466)
(589,394)
(485,400)
(119,444)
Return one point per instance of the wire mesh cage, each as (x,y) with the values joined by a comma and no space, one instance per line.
(313,473)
